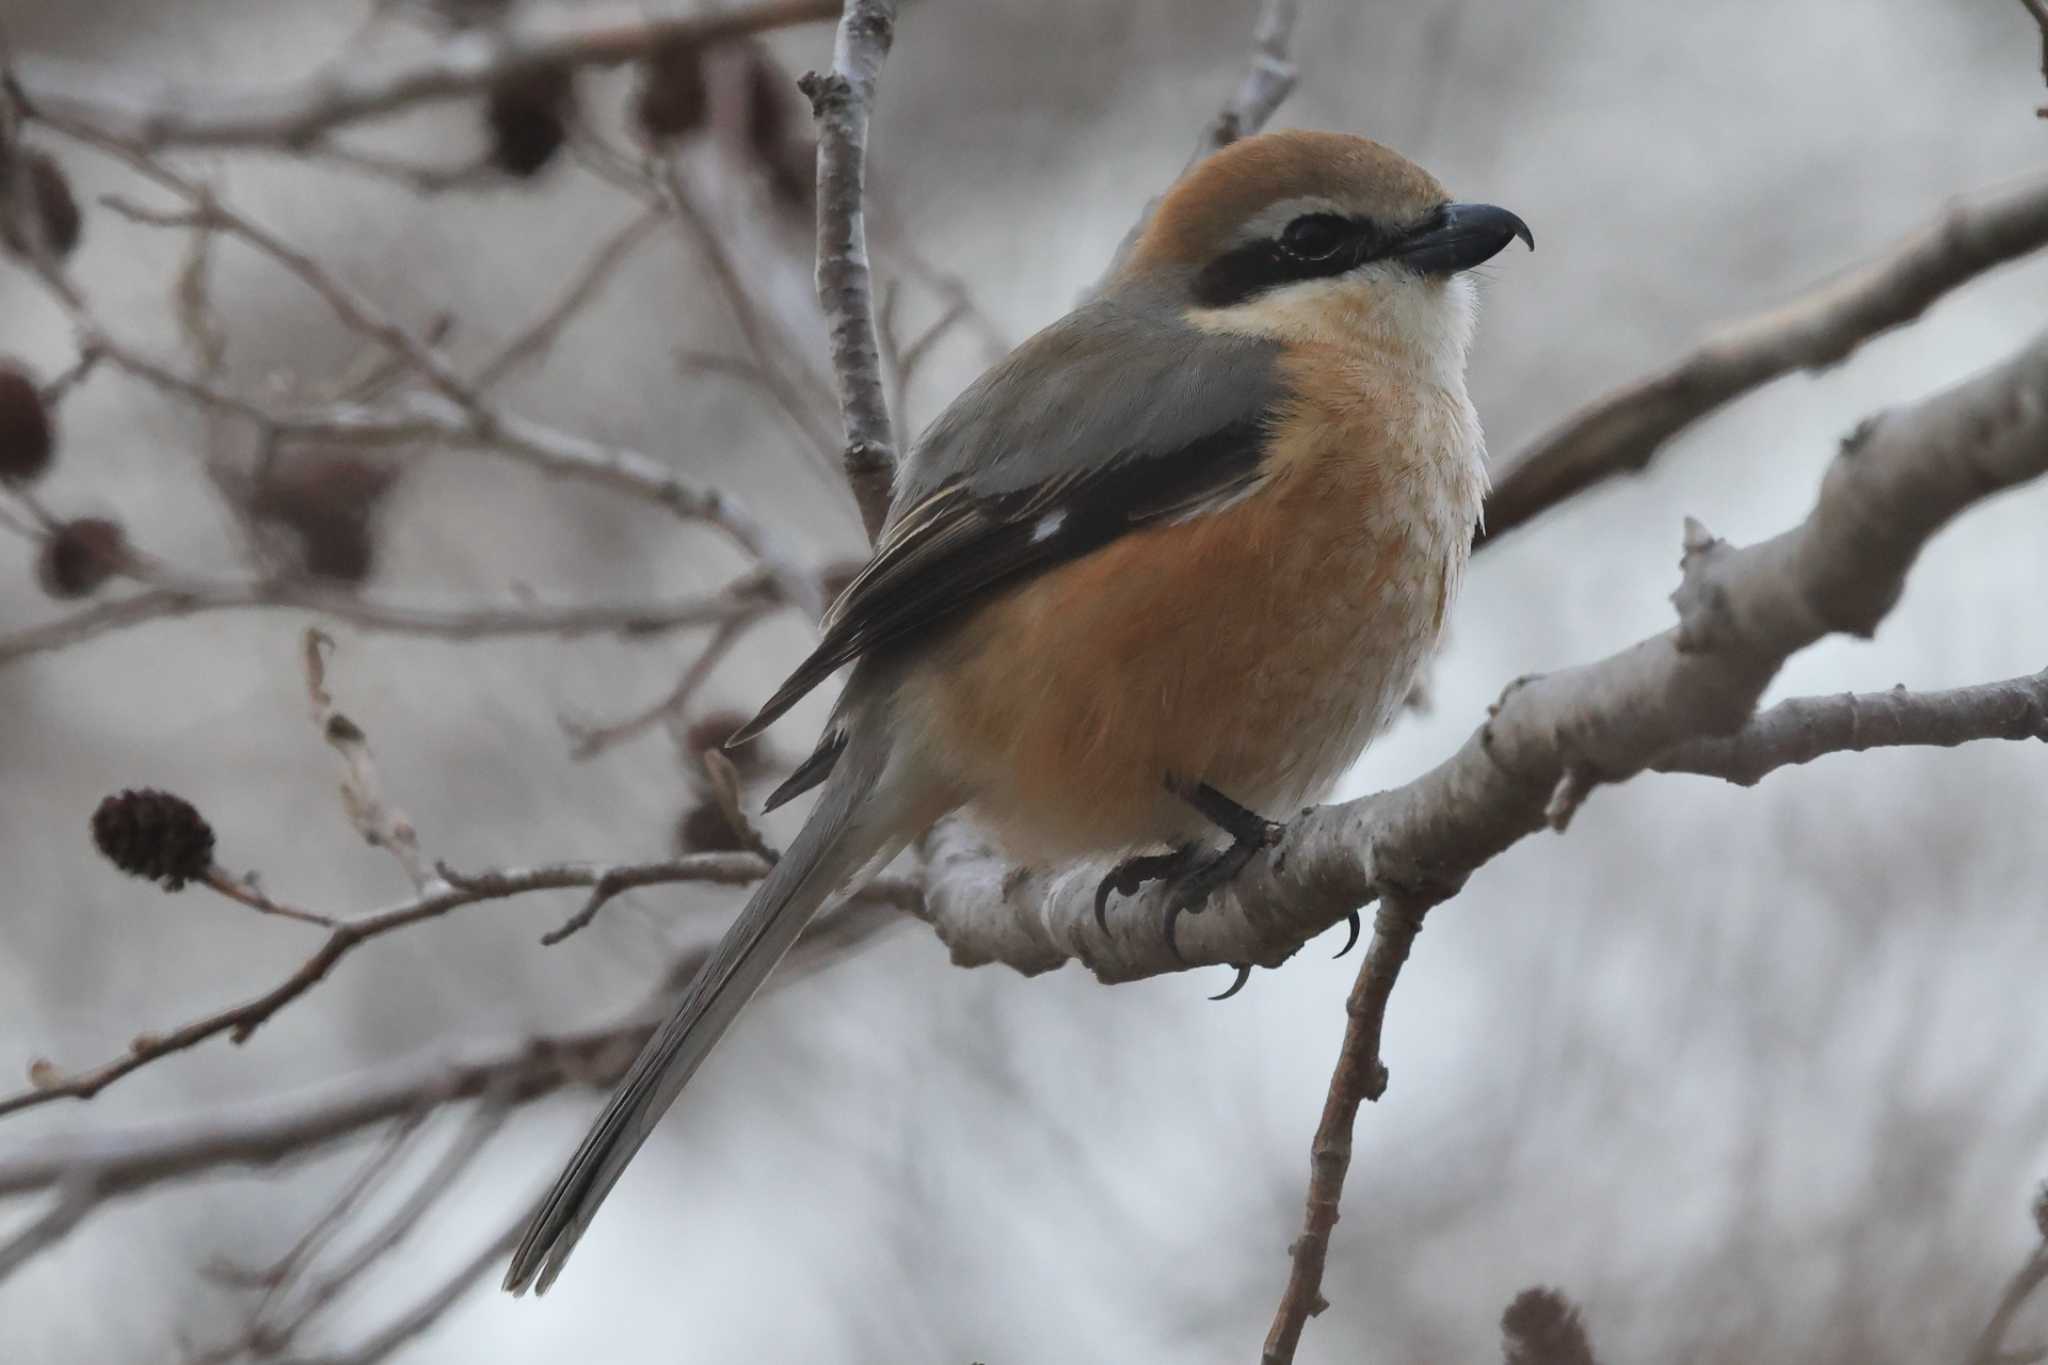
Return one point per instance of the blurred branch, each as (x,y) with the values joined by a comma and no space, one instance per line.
(429,1307)
(2039,9)
(89,1170)
(240,1021)
(1989,1348)
(746,599)
(841,100)
(1359,1076)
(1267,82)
(592,740)
(467,63)
(76,1197)
(277,1319)
(454,416)
(534,340)
(1805,728)
(1623,432)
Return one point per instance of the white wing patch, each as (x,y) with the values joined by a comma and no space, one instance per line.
(1048,526)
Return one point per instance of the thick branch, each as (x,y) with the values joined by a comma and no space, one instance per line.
(1742,612)
(841,101)
(1623,432)
(466,64)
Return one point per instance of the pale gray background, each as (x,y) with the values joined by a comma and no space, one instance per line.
(1753,1075)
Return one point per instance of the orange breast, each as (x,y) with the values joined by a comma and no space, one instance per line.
(1257,649)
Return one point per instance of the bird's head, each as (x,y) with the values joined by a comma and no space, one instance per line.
(1303,237)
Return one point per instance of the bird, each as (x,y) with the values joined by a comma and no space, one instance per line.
(1170,564)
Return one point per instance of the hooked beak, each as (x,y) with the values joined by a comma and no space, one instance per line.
(1460,236)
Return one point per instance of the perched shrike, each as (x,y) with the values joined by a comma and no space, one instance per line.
(1173,561)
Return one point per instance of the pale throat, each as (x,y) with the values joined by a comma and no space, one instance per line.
(1426,324)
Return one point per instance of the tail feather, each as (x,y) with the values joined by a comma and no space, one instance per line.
(843,833)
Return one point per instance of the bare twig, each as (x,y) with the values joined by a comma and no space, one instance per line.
(240,1021)
(466,64)
(534,339)
(841,100)
(355,310)
(381,824)
(590,740)
(745,600)
(77,1195)
(431,1305)
(1622,432)
(1360,1076)
(782,373)
(1267,82)
(246,893)
(102,1167)
(2039,9)
(1806,728)
(1989,1348)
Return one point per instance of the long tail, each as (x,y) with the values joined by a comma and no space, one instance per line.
(843,833)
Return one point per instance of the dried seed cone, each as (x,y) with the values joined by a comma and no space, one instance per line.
(1542,1327)
(672,101)
(79,556)
(528,117)
(63,224)
(704,829)
(57,210)
(154,834)
(330,503)
(27,436)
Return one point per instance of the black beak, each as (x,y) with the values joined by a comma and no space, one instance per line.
(1460,236)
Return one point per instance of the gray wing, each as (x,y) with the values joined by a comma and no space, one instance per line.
(1104,423)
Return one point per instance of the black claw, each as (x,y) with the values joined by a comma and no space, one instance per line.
(1351,941)
(1244,974)
(1173,912)
(1132,874)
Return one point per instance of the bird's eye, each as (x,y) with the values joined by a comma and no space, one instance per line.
(1315,236)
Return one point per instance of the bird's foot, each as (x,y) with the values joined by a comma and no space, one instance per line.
(1132,875)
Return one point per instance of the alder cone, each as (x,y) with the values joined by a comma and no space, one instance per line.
(704,829)
(673,100)
(154,834)
(528,118)
(329,503)
(28,438)
(80,556)
(57,208)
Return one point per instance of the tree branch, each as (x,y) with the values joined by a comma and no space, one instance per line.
(466,64)
(1360,1076)
(240,1021)
(1623,432)
(1267,82)
(841,101)
(89,1170)
(1805,728)
(742,602)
